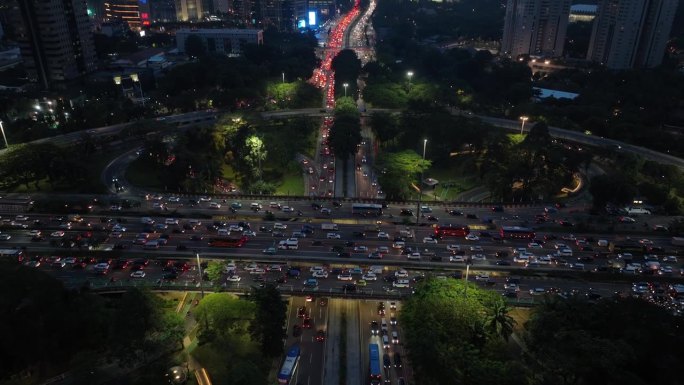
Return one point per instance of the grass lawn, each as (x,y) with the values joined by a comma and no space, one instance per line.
(451,183)
(292,183)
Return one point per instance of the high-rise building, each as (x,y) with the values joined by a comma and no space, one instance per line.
(535,27)
(55,39)
(631,33)
(162,10)
(189,10)
(135,13)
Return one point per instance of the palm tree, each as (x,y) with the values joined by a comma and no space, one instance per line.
(499,321)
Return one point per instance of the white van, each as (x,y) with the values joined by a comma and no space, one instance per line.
(289,244)
(329,226)
(401,283)
(255,206)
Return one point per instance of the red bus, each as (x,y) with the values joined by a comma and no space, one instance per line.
(516,232)
(451,230)
(228,241)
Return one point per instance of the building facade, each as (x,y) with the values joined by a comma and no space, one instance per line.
(535,27)
(631,33)
(55,39)
(135,13)
(222,40)
(189,10)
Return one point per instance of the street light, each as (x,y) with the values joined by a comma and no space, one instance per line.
(199,269)
(2,129)
(345,89)
(420,186)
(522,126)
(283,77)
(410,75)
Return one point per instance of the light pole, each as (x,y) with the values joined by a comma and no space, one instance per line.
(2,129)
(345,89)
(283,77)
(410,75)
(420,186)
(199,269)
(522,126)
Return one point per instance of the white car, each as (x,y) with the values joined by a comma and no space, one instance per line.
(258,270)
(251,267)
(478,257)
(279,226)
(401,273)
(345,277)
(369,277)
(171,221)
(670,258)
(37,233)
(5,237)
(57,234)
(21,218)
(453,247)
(430,240)
(534,245)
(275,268)
(214,205)
(205,199)
(456,258)
(119,228)
(383,235)
(138,274)
(249,233)
(287,209)
(511,286)
(320,274)
(174,199)
(360,248)
(383,249)
(472,237)
(476,248)
(233,278)
(333,236)
(316,268)
(482,277)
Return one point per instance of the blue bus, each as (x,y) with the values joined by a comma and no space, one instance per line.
(366,209)
(375,371)
(289,367)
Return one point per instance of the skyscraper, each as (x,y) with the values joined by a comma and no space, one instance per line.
(189,10)
(535,27)
(631,33)
(55,39)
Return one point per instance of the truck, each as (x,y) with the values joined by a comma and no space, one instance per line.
(329,226)
(677,241)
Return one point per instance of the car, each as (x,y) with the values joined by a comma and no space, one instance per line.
(236,205)
(57,234)
(333,236)
(320,335)
(406,212)
(375,327)
(472,237)
(430,240)
(626,220)
(345,277)
(395,337)
(307,323)
(538,291)
(275,268)
(360,248)
(482,277)
(320,274)
(269,250)
(476,249)
(233,278)
(393,321)
(5,237)
(455,213)
(369,277)
(401,273)
(138,274)
(383,235)
(361,282)
(257,271)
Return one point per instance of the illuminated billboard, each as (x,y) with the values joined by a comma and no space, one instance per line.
(301,23)
(312,18)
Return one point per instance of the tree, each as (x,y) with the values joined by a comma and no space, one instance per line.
(345,135)
(221,314)
(194,46)
(385,127)
(611,188)
(255,153)
(400,171)
(347,67)
(268,325)
(499,322)
(214,270)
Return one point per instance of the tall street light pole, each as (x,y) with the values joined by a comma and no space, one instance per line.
(420,186)
(201,276)
(410,75)
(283,77)
(522,126)
(345,89)
(2,129)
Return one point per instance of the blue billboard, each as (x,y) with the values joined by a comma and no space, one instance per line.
(312,18)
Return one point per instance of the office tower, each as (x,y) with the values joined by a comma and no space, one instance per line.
(189,10)
(135,13)
(535,27)
(631,33)
(162,10)
(55,39)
